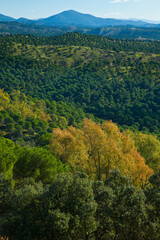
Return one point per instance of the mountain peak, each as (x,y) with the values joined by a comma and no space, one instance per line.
(72,18)
(5,18)
(70,11)
(25,21)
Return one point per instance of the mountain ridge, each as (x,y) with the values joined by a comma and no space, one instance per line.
(72,18)
(6,18)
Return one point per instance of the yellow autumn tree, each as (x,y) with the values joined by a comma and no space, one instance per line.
(131,162)
(134,163)
(109,148)
(68,145)
(103,153)
(97,149)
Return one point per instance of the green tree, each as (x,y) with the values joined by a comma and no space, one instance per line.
(5,194)
(128,211)
(69,208)
(149,147)
(121,211)
(37,163)
(17,213)
(64,210)
(8,156)
(153,206)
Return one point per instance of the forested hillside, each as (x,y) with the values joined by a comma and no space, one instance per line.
(111,79)
(79,138)
(30,121)
(117,32)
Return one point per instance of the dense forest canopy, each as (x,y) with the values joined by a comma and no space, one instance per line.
(79,138)
(112,79)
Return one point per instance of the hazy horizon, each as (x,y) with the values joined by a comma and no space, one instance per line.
(121,9)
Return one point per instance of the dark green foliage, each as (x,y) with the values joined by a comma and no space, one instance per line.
(153,205)
(44,140)
(65,210)
(17,213)
(37,163)
(72,207)
(121,209)
(5,194)
(68,208)
(78,39)
(128,211)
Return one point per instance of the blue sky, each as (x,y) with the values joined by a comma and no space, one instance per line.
(33,9)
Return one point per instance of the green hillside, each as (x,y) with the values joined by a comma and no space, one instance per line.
(78,39)
(111,79)
(79,138)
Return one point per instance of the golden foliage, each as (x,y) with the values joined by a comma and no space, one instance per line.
(98,149)
(69,146)
(21,105)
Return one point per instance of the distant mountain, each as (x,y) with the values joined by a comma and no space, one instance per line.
(73,18)
(76,19)
(123,32)
(25,21)
(20,28)
(151,21)
(120,32)
(6,18)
